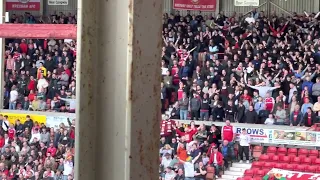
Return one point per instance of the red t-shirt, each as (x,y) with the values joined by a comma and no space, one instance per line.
(11,133)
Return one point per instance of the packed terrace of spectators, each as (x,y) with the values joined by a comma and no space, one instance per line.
(256,69)
(40,73)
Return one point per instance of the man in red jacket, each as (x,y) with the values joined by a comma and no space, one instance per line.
(216,160)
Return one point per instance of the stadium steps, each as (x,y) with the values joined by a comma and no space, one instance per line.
(236,171)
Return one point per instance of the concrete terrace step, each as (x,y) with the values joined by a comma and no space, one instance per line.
(241,165)
(237,169)
(230,177)
(233,173)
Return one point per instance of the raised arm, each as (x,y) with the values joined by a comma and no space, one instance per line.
(192,49)
(196,158)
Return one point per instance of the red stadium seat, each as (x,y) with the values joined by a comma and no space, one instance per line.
(284,159)
(282,151)
(257,164)
(266,171)
(314,153)
(247,178)
(260,173)
(278,166)
(271,150)
(311,169)
(255,170)
(256,178)
(248,172)
(317,162)
(296,160)
(303,156)
(264,157)
(301,168)
(289,167)
(313,159)
(274,158)
(292,151)
(303,151)
(257,151)
(268,165)
(318,169)
(291,156)
(306,161)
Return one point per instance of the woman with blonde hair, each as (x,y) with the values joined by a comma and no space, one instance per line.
(166,149)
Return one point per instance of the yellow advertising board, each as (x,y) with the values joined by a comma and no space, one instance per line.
(12,117)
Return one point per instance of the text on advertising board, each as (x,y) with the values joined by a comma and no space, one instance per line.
(58,2)
(251,131)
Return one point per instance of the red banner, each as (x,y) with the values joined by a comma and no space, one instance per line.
(200,5)
(23,5)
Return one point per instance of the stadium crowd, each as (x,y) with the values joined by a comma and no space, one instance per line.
(32,151)
(40,74)
(250,69)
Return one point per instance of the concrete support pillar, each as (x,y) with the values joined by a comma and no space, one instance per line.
(118,112)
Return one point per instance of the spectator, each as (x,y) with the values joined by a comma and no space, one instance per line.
(251,116)
(183,104)
(189,166)
(280,116)
(244,145)
(269,120)
(13,98)
(309,118)
(296,116)
(216,161)
(227,153)
(195,105)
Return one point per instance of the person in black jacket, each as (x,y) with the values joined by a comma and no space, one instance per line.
(309,118)
(251,116)
(175,113)
(263,115)
(204,108)
(230,111)
(214,135)
(28,123)
(240,114)
(19,127)
(218,113)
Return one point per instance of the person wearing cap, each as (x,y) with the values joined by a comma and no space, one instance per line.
(244,145)
(216,160)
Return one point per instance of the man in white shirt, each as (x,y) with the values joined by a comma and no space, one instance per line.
(170,174)
(244,144)
(13,98)
(68,167)
(166,160)
(188,165)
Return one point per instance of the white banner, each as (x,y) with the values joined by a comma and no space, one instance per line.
(296,137)
(58,2)
(55,121)
(246,2)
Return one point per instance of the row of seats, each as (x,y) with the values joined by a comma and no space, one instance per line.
(272,150)
(288,159)
(249,178)
(292,159)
